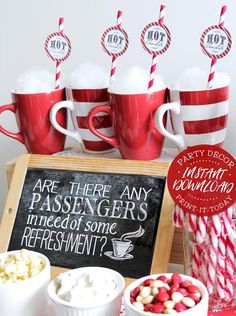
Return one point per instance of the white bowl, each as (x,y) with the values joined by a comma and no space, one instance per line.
(27,297)
(200,309)
(111,307)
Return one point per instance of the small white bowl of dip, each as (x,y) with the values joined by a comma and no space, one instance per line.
(88,291)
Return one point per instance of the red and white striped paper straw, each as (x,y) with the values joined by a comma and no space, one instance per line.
(212,266)
(58,63)
(175,216)
(220,282)
(196,258)
(203,272)
(214,60)
(192,223)
(201,229)
(162,14)
(229,267)
(216,247)
(154,56)
(178,216)
(114,58)
(216,225)
(227,221)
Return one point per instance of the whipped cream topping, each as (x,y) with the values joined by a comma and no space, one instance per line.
(86,289)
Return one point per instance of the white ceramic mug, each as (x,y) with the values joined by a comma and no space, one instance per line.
(197,117)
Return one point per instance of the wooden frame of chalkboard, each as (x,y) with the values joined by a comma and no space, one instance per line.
(90,211)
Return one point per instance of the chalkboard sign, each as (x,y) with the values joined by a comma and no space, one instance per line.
(92,212)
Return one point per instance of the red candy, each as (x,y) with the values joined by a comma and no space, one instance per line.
(148,307)
(165,296)
(162,289)
(157,308)
(176,278)
(185,284)
(183,291)
(135,292)
(163,278)
(195,298)
(180,307)
(132,300)
(147,282)
(162,297)
(174,288)
(193,289)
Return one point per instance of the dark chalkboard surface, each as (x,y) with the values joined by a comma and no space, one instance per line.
(91,213)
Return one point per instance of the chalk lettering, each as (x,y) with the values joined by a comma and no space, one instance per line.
(134,193)
(89,189)
(81,244)
(90,206)
(46,185)
(100,227)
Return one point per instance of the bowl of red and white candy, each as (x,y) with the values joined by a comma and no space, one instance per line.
(166,294)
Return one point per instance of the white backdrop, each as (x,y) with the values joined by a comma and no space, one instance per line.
(25,24)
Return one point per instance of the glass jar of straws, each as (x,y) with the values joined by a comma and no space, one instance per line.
(210,256)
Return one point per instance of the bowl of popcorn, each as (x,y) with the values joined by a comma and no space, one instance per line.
(166,294)
(88,291)
(24,277)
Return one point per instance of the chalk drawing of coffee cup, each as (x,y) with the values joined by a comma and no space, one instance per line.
(123,246)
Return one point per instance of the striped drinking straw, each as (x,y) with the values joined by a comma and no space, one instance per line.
(154,56)
(114,58)
(58,63)
(214,60)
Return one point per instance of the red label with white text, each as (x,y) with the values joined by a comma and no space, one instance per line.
(202,180)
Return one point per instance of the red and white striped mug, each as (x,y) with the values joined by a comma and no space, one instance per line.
(197,117)
(79,103)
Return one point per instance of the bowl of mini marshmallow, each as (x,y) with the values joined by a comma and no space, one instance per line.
(166,294)
(88,291)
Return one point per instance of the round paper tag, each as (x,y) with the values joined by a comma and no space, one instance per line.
(216,42)
(58,46)
(202,180)
(155,38)
(115,41)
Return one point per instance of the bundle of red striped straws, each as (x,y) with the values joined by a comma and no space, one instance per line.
(213,255)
